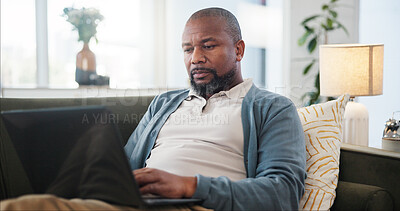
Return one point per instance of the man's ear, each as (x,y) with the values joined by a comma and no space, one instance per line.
(239,50)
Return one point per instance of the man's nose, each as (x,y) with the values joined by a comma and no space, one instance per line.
(198,56)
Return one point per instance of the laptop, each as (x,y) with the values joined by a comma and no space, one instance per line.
(63,153)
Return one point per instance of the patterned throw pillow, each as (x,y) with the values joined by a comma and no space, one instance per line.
(322,124)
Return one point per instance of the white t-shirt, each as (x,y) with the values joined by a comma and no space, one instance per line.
(204,136)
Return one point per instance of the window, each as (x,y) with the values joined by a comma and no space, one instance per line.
(139,42)
(117,52)
(18,43)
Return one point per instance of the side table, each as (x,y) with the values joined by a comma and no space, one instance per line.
(391,145)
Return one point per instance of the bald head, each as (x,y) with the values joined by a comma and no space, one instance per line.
(232,25)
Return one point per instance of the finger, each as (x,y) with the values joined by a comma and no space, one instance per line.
(148,188)
(157,189)
(146,178)
(144,171)
(139,171)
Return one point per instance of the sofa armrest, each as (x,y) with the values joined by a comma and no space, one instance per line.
(370,166)
(356,196)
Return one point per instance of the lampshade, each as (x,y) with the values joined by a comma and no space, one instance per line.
(354,69)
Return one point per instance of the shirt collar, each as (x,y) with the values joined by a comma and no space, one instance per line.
(240,90)
(236,92)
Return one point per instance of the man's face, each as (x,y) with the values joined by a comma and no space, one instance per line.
(209,53)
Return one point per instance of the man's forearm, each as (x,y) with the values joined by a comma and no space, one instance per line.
(191,184)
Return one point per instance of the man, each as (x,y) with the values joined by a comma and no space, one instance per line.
(223,141)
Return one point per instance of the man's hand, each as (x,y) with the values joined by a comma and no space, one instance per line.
(162,183)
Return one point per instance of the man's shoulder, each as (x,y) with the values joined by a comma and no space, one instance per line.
(171,96)
(266,98)
(174,93)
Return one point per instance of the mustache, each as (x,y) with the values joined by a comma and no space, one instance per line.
(202,68)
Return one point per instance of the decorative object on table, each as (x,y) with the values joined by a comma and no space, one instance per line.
(85,21)
(316,29)
(357,70)
(391,134)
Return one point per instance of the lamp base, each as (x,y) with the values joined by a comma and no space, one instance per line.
(356,123)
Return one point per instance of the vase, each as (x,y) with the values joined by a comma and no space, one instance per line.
(85,65)
(86,68)
(85,59)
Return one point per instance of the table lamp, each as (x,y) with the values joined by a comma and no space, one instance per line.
(357,70)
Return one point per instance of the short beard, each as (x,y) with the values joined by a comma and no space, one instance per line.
(217,84)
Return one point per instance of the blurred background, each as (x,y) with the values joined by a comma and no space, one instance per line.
(139,46)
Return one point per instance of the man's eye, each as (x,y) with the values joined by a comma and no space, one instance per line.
(187,50)
(209,46)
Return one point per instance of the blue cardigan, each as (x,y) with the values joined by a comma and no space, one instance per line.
(274,153)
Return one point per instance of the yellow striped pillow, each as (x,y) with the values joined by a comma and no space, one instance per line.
(322,125)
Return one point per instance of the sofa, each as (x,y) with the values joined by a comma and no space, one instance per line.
(369,179)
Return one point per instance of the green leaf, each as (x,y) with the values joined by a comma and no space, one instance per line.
(315,100)
(333,1)
(303,38)
(316,82)
(333,13)
(325,27)
(331,98)
(313,97)
(325,7)
(312,44)
(311,30)
(304,96)
(344,28)
(329,23)
(309,19)
(308,67)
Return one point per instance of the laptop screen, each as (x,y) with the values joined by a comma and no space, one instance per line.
(43,138)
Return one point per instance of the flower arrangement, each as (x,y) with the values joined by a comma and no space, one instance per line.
(84,20)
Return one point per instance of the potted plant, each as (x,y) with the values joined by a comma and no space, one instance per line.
(316,29)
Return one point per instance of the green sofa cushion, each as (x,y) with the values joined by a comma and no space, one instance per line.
(355,196)
(128,110)
(371,168)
